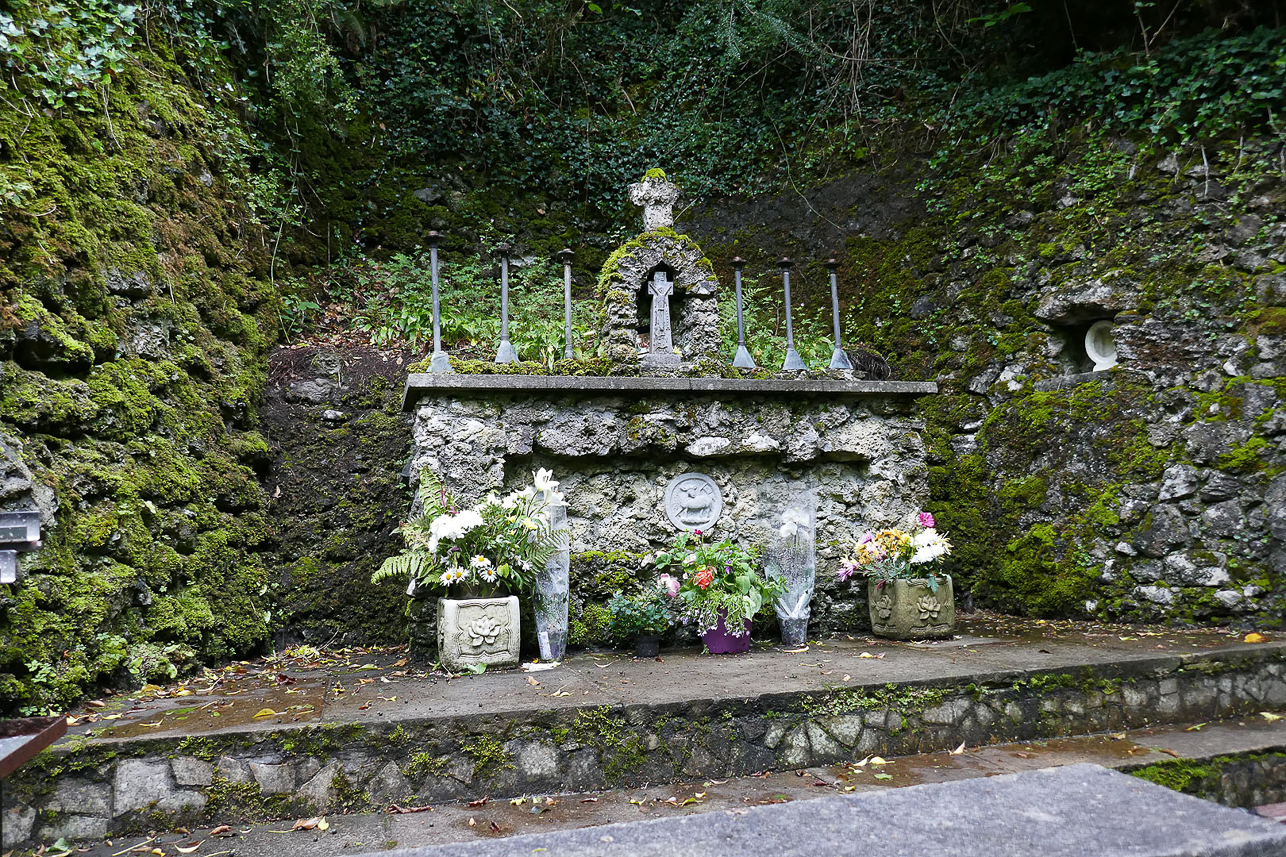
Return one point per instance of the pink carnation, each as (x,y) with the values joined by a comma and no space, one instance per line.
(926,520)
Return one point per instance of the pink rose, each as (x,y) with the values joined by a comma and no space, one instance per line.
(926,520)
(669,584)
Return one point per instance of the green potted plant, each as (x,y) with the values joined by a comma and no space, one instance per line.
(909,598)
(642,617)
(719,587)
(478,559)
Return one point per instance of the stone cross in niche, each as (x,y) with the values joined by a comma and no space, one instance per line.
(660,335)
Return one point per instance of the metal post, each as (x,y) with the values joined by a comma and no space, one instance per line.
(793,360)
(505,353)
(566,256)
(439,362)
(742,360)
(839,357)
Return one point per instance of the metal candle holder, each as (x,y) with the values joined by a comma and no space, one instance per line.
(505,353)
(742,360)
(440,362)
(839,357)
(793,360)
(565,256)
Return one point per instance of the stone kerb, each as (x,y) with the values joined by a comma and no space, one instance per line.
(696,312)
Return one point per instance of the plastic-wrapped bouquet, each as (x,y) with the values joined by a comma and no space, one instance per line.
(496,545)
(895,554)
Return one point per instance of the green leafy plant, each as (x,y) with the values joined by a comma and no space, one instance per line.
(646,613)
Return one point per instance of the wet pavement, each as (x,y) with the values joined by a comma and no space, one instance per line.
(306,686)
(435,825)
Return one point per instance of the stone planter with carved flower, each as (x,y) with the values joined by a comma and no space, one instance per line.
(909,599)
(909,610)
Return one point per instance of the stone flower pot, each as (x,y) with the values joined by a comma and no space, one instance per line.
(907,610)
(473,631)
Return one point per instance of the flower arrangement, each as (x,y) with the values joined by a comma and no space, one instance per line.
(497,544)
(895,554)
(713,578)
(646,613)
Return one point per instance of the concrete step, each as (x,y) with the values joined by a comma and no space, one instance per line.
(1220,752)
(359,734)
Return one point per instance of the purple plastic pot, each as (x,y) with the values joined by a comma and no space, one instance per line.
(720,642)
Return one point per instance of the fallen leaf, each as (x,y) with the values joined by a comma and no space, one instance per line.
(323,824)
(1195,728)
(847,678)
(862,764)
(796,651)
(1025,755)
(183,850)
(265,712)
(479,802)
(531,681)
(1118,736)
(1270,717)
(221,829)
(473,823)
(699,794)
(1169,752)
(959,750)
(307,823)
(97,703)
(495,827)
(883,776)
(518,801)
(1253,637)
(689,802)
(876,760)
(589,800)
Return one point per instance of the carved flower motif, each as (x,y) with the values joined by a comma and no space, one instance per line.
(483,630)
(928,607)
(884,607)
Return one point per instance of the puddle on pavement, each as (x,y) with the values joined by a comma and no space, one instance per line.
(234,704)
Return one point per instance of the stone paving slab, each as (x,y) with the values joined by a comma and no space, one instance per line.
(1056,812)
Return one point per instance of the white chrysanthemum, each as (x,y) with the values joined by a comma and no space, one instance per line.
(480,562)
(929,545)
(489,574)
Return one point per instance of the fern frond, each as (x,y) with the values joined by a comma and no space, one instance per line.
(408,564)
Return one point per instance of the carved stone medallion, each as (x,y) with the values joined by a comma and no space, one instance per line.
(693,501)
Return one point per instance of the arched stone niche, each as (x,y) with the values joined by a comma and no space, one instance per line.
(694,310)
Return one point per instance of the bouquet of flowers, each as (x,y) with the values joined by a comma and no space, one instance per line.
(714,578)
(895,554)
(497,544)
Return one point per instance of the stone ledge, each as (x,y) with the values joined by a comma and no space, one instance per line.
(422,383)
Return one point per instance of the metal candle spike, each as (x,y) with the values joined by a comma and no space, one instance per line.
(439,362)
(839,357)
(505,353)
(742,360)
(566,256)
(793,360)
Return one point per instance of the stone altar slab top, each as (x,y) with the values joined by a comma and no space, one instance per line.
(423,383)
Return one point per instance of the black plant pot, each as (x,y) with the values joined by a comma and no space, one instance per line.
(647,647)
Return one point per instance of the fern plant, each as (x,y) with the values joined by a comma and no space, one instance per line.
(496,545)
